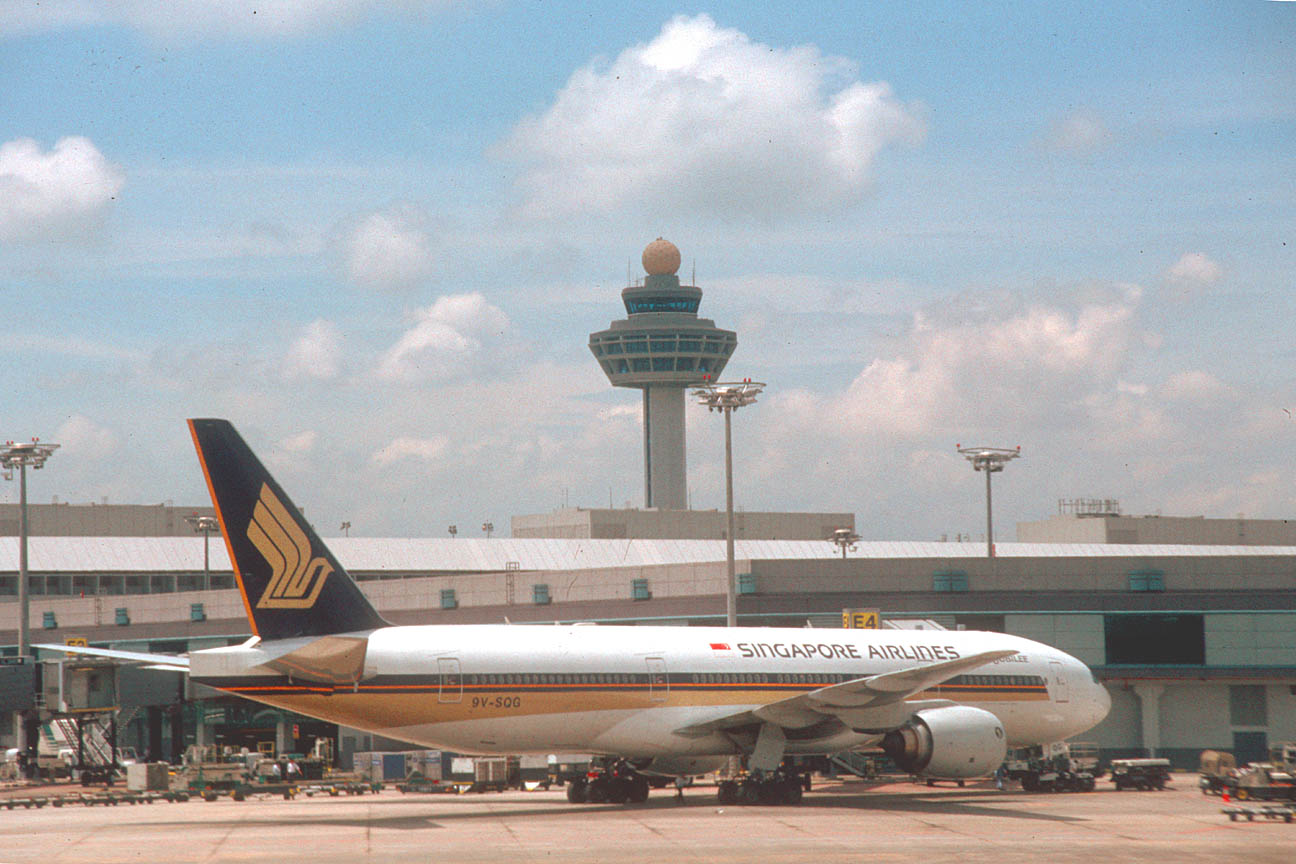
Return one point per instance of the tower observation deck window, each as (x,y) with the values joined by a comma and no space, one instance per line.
(662,346)
(622,367)
(663,364)
(636,347)
(639,364)
(612,347)
(711,347)
(694,345)
(684,364)
(662,304)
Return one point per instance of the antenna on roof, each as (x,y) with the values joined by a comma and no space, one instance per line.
(694,270)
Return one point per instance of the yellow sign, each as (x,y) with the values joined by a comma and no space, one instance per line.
(78,641)
(860,619)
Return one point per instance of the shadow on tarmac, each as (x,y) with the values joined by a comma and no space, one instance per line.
(437,813)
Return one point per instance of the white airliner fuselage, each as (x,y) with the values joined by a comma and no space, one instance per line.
(652,691)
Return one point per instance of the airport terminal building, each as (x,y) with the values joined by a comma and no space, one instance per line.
(1193,640)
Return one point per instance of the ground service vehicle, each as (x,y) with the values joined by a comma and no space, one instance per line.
(1264,781)
(664,701)
(1215,771)
(1140,773)
(1059,767)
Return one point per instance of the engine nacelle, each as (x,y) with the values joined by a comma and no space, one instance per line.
(957,741)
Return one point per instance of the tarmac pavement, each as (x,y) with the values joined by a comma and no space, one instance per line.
(837,822)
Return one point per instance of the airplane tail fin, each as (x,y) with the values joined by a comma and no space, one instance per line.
(291,583)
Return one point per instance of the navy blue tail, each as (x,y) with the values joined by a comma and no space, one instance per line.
(291,583)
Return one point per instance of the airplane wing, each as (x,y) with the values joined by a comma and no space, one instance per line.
(171,662)
(872,701)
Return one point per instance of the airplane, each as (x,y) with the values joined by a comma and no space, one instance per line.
(650,702)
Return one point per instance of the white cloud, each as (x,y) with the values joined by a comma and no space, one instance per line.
(81,437)
(1081,133)
(420,449)
(702,117)
(316,353)
(229,18)
(445,336)
(389,250)
(59,193)
(1195,385)
(1195,269)
(302,442)
(956,374)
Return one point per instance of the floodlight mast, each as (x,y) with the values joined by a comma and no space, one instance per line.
(206,526)
(844,539)
(990,460)
(728,397)
(20,455)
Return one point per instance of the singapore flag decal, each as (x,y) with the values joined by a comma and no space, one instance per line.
(719,646)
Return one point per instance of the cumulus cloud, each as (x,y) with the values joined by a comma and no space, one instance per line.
(418,449)
(1195,270)
(82,437)
(1081,133)
(54,194)
(316,353)
(389,250)
(228,18)
(445,336)
(950,373)
(706,118)
(302,442)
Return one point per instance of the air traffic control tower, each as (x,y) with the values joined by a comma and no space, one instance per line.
(662,347)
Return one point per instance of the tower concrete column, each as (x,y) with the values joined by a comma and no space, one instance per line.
(664,455)
(1150,703)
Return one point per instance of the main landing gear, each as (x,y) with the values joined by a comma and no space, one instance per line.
(613,782)
(776,787)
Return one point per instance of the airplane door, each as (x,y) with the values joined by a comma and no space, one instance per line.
(658,681)
(451,679)
(1061,692)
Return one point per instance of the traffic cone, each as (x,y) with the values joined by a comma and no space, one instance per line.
(1224,794)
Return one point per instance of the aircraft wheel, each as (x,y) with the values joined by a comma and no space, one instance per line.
(598,791)
(792,791)
(578,791)
(638,787)
(749,792)
(618,790)
(727,792)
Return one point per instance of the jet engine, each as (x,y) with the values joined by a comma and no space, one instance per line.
(954,742)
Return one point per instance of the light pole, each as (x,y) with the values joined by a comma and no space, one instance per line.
(990,460)
(728,397)
(20,456)
(206,526)
(845,538)
(454,529)
(345,528)
(488,527)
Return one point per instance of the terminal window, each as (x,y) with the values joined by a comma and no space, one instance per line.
(1157,640)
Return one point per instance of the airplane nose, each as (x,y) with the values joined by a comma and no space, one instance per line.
(1102,702)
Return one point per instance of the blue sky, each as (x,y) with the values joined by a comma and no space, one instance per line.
(376,236)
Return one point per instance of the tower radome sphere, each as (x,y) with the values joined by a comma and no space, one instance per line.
(661,258)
